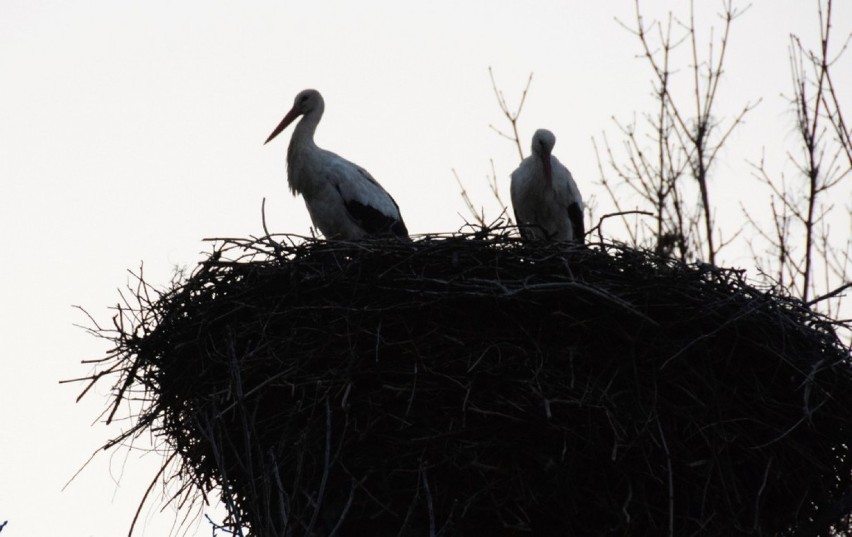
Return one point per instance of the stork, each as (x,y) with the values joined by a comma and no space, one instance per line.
(547,203)
(343,199)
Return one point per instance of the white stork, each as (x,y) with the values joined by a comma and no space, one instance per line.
(343,199)
(547,203)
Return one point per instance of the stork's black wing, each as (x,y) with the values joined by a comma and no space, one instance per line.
(369,205)
(374,221)
(575,215)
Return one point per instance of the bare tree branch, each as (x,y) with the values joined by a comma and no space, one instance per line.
(511,116)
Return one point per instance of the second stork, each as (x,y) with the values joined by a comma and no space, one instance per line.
(547,203)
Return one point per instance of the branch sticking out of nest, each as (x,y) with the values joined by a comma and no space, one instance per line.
(471,384)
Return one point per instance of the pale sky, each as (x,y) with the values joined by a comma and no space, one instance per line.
(129,131)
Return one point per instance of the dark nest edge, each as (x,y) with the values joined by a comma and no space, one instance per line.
(470,384)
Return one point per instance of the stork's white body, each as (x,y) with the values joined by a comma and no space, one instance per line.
(547,202)
(343,199)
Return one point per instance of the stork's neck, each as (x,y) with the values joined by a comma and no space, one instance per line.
(302,143)
(303,135)
(302,151)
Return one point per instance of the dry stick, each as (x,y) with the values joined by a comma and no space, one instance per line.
(496,190)
(830,294)
(345,509)
(282,496)
(206,430)
(622,214)
(626,500)
(747,310)
(128,381)
(756,523)
(92,378)
(782,232)
(840,261)
(511,116)
(411,507)
(413,391)
(275,246)
(671,478)
(813,178)
(237,385)
(79,470)
(480,218)
(806,127)
(699,168)
(665,184)
(148,491)
(492,180)
(429,505)
(188,496)
(251,392)
(824,85)
(837,119)
(838,122)
(325,471)
(611,192)
(781,219)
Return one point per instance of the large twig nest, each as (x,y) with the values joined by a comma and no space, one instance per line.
(473,385)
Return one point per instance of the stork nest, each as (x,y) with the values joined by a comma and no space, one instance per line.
(471,384)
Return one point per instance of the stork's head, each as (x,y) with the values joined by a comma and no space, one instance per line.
(542,145)
(308,101)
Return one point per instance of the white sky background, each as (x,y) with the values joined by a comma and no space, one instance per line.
(130,131)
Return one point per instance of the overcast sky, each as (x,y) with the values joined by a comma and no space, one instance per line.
(130,131)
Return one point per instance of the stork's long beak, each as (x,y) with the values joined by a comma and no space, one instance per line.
(291,115)
(548,170)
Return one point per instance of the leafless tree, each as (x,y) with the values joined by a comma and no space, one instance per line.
(685,138)
(806,256)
